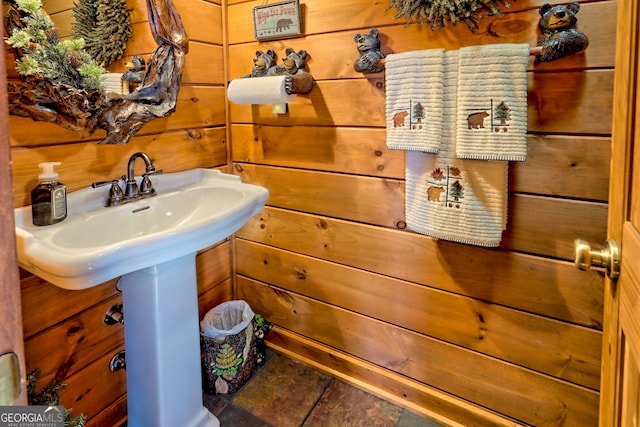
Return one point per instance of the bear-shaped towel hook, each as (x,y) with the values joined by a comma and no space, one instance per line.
(559,36)
(371,59)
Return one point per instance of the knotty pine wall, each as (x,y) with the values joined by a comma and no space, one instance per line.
(63,330)
(480,336)
(506,336)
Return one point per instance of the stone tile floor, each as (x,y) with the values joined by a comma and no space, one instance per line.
(286,393)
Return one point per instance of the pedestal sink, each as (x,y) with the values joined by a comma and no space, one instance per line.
(152,244)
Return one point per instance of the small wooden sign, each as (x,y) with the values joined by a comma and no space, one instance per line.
(278,20)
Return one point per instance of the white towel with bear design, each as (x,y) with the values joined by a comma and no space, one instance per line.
(492,102)
(413,84)
(455,199)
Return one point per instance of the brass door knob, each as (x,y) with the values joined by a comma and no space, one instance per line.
(607,257)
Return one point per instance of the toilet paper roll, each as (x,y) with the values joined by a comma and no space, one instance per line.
(259,90)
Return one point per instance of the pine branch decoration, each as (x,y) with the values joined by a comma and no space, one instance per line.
(105,26)
(85,13)
(85,106)
(42,55)
(440,13)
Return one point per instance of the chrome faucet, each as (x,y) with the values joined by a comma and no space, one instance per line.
(132,192)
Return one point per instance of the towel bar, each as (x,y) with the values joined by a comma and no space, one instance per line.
(379,65)
(559,38)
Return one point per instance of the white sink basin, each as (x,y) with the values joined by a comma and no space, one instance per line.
(193,209)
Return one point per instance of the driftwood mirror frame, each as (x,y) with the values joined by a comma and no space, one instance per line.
(121,117)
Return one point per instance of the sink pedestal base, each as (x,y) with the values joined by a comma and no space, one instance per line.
(162,341)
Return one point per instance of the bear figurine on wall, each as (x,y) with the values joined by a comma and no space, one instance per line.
(297,80)
(262,62)
(293,63)
(370,55)
(559,36)
(136,69)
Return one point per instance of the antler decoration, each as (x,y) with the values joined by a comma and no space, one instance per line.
(82,109)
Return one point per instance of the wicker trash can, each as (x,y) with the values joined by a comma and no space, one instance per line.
(228,342)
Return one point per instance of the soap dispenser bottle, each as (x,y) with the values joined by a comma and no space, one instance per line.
(49,197)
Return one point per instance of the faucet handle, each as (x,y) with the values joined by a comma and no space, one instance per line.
(115,192)
(102,183)
(146,187)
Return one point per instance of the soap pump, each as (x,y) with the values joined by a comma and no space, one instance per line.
(49,197)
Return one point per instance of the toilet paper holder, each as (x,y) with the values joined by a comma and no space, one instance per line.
(296,80)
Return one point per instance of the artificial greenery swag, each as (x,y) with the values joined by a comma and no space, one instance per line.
(61,83)
(440,13)
(42,55)
(105,27)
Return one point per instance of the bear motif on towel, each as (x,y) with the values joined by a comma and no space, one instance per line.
(399,118)
(415,119)
(447,181)
(500,116)
(433,193)
(476,120)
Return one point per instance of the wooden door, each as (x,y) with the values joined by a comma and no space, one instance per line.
(10,310)
(620,391)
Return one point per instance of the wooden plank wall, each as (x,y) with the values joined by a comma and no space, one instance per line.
(64,333)
(506,336)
